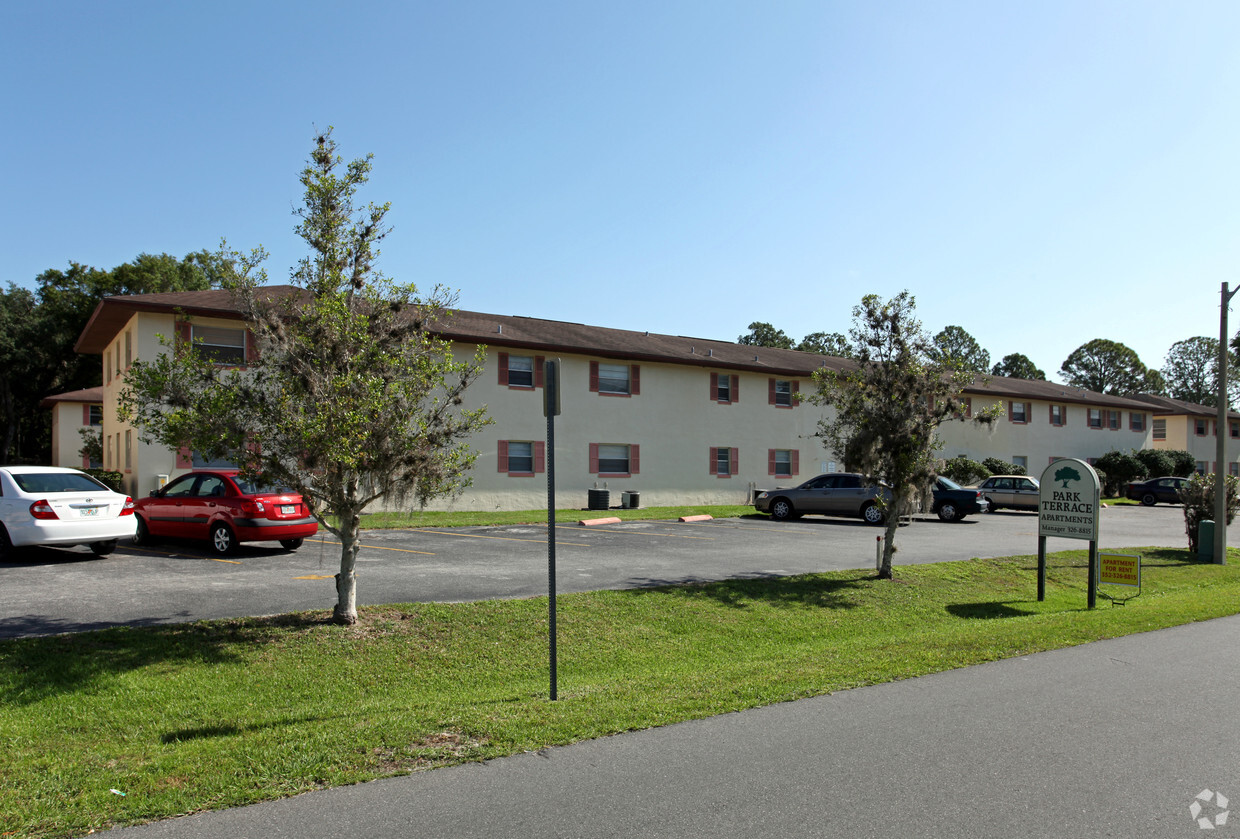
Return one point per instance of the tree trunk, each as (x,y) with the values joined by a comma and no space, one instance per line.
(889,544)
(346,581)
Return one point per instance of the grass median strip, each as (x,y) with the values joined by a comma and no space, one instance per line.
(222,713)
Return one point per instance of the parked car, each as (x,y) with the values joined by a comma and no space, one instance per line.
(952,502)
(225,510)
(1149,493)
(1012,492)
(51,505)
(833,494)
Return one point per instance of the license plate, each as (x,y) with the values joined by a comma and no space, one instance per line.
(288,509)
(88,511)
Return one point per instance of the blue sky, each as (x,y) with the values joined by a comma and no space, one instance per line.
(1040,174)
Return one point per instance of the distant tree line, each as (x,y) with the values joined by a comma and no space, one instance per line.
(1189,372)
(39,327)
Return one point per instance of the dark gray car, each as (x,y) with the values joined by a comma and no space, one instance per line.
(834,494)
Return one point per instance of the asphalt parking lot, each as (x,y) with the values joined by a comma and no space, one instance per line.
(44,591)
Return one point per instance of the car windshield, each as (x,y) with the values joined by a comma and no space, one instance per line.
(249,487)
(948,483)
(47,483)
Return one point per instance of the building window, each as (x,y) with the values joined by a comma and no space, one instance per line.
(1136,422)
(1235,429)
(108,460)
(1018,412)
(93,416)
(1094,416)
(200,461)
(1202,468)
(107,365)
(613,459)
(1233,469)
(615,379)
(220,344)
(521,371)
(1059,415)
(128,348)
(128,449)
(1021,460)
(723,461)
(782,463)
(724,389)
(1160,429)
(522,458)
(1202,427)
(1113,418)
(782,392)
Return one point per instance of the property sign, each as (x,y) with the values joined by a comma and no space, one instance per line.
(1069,500)
(1119,569)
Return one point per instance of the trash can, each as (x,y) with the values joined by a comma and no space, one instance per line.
(630,499)
(599,499)
(1205,541)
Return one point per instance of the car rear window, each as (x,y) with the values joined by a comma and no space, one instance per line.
(48,483)
(948,483)
(254,488)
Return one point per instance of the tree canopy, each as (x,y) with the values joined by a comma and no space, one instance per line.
(352,397)
(956,348)
(1106,367)
(887,411)
(762,334)
(1190,370)
(826,343)
(1018,366)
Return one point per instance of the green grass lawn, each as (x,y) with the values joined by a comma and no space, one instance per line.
(217,714)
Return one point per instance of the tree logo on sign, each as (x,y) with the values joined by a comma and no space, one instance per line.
(1067,474)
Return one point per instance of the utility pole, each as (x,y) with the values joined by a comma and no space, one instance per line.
(1222,433)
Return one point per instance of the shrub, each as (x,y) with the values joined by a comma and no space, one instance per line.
(964,471)
(1158,463)
(1002,467)
(1120,468)
(1198,497)
(114,480)
(1182,463)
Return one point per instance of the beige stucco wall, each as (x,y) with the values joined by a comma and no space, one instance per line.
(66,437)
(1038,440)
(1182,434)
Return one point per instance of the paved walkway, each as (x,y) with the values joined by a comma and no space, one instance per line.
(1111,739)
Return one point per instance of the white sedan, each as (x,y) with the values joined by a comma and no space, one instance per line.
(49,505)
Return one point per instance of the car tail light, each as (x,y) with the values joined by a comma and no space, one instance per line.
(127,508)
(251,507)
(42,510)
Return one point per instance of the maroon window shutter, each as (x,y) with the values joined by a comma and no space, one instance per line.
(796,462)
(796,389)
(770,461)
(734,460)
(540,456)
(251,348)
(968,406)
(1010,411)
(714,459)
(635,380)
(184,334)
(503,369)
(634,458)
(770,391)
(714,387)
(185,458)
(503,456)
(736,389)
(594,383)
(85,462)
(85,415)
(540,361)
(1051,411)
(594,457)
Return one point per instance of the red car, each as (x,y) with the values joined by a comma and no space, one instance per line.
(224,509)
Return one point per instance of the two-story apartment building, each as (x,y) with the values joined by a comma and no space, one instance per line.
(1193,428)
(675,419)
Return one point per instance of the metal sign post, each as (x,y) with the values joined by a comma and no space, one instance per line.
(551,408)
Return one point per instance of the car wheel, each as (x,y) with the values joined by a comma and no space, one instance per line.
(782,510)
(872,514)
(141,536)
(1148,499)
(222,539)
(993,508)
(291,544)
(103,548)
(6,545)
(948,512)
